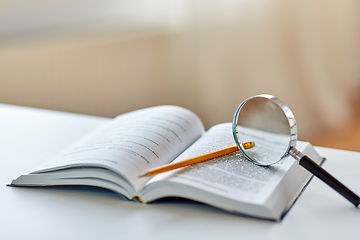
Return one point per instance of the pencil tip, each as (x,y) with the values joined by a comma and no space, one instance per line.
(146,174)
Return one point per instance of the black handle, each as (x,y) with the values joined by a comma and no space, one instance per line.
(326,177)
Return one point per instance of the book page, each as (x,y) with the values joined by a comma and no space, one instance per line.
(232,175)
(133,142)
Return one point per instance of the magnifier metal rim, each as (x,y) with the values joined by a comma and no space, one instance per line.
(291,121)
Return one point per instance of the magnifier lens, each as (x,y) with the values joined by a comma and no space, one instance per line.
(262,119)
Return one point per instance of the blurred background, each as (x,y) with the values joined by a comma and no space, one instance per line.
(113,56)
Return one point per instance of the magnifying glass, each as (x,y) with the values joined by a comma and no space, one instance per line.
(270,124)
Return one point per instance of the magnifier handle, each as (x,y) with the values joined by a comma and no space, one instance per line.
(326,177)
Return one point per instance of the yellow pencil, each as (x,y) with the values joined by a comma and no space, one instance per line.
(198,159)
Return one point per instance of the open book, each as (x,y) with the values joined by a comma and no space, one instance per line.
(116,154)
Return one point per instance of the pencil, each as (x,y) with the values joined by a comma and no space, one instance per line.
(194,160)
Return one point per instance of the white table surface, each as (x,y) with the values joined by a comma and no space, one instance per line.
(28,136)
